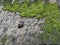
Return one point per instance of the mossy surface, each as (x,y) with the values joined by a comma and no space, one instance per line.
(3,40)
(39,10)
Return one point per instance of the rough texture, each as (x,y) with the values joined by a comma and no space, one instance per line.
(17,30)
(21,1)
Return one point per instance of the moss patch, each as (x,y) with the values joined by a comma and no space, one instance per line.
(3,40)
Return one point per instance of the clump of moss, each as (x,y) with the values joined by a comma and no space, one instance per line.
(3,40)
(28,11)
(52,24)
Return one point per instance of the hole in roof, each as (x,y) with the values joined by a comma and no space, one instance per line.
(20,25)
(42,44)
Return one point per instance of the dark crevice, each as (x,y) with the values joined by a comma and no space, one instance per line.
(5,29)
(42,44)
(53,44)
(20,25)
(59,7)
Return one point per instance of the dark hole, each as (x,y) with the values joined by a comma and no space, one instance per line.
(42,44)
(20,25)
(58,7)
(53,44)
(47,0)
(35,0)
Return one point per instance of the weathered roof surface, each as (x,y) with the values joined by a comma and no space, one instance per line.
(53,1)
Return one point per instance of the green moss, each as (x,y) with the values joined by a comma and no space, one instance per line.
(52,23)
(31,11)
(3,40)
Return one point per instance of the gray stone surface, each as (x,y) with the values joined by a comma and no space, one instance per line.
(51,1)
(30,1)
(26,34)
